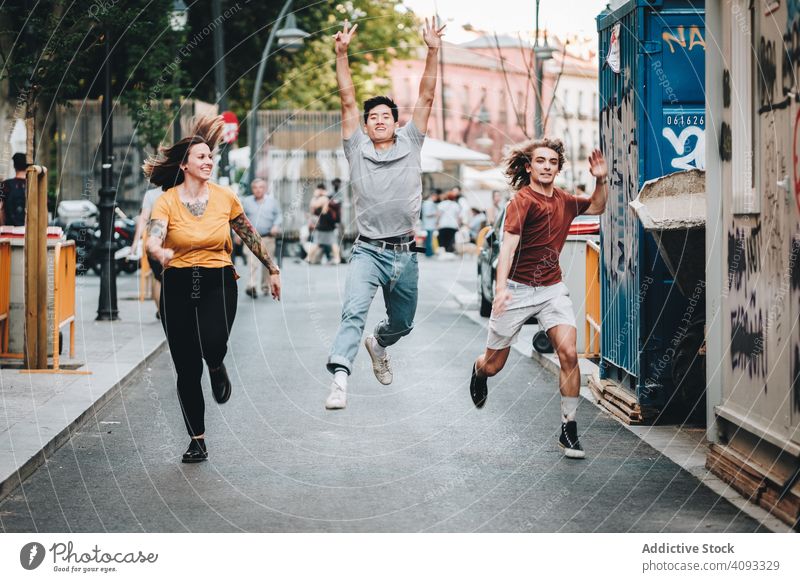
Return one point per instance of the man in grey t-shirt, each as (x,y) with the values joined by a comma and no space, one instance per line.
(385,179)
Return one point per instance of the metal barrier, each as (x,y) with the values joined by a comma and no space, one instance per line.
(64,296)
(5,292)
(592,347)
(481,238)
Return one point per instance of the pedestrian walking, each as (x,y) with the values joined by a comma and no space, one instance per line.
(449,222)
(328,213)
(148,201)
(430,214)
(189,234)
(386,182)
(12,194)
(528,273)
(264,213)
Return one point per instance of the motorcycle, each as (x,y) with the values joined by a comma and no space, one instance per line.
(79,221)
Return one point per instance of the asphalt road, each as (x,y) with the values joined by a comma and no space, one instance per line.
(413,456)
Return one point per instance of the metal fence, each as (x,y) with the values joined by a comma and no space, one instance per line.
(296,151)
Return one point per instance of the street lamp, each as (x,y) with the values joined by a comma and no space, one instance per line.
(178,19)
(542,53)
(291,38)
(107,304)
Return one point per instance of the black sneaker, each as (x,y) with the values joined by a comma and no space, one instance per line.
(478,389)
(220,384)
(568,441)
(196,452)
(251,292)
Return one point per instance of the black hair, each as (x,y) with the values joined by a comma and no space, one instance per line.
(20,162)
(373,102)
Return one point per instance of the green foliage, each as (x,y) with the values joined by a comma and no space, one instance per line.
(306,79)
(52,51)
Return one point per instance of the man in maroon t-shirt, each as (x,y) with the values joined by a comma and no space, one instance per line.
(528,273)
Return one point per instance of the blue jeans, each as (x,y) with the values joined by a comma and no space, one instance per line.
(397,274)
(429,242)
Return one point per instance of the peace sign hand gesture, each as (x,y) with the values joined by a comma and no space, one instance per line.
(432,35)
(343,38)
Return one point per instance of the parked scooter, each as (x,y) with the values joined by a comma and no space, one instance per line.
(78,218)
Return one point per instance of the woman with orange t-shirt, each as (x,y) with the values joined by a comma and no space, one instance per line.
(189,234)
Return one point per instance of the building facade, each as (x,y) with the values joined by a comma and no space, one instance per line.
(487,95)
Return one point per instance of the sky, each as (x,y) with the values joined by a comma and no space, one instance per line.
(562,17)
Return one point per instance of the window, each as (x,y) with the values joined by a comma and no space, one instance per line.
(502,109)
(743,110)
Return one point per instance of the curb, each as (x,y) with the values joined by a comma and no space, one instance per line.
(9,484)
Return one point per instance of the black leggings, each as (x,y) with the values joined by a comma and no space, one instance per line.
(198,305)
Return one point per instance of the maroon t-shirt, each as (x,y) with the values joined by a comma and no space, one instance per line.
(542,222)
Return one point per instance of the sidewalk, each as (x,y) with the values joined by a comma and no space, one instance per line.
(38,412)
(685,446)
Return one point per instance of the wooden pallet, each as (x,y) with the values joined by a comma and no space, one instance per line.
(752,481)
(619,402)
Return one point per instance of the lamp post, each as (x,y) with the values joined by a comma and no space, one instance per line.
(542,53)
(178,19)
(107,304)
(290,38)
(221,94)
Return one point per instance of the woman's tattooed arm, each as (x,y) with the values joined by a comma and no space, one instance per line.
(252,239)
(156,234)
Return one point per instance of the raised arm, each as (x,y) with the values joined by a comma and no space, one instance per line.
(252,239)
(427,85)
(347,92)
(599,169)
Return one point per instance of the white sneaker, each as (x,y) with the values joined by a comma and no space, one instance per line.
(337,398)
(382,366)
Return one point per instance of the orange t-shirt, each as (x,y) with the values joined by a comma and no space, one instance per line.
(199,241)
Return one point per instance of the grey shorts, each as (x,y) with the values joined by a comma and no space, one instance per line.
(550,305)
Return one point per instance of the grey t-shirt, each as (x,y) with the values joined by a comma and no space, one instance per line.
(387,185)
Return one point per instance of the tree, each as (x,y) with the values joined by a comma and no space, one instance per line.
(51,51)
(305,80)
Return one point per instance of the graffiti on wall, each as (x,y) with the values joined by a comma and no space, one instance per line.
(748,351)
(743,256)
(767,76)
(690,145)
(678,37)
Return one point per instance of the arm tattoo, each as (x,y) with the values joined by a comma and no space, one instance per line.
(156,232)
(157,228)
(252,239)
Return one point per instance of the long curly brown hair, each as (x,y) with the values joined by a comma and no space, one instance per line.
(522,155)
(165,169)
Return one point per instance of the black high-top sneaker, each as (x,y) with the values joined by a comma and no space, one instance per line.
(568,441)
(478,389)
